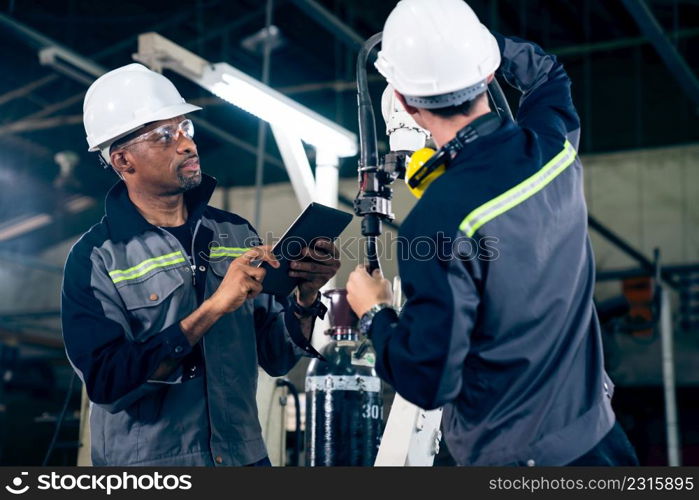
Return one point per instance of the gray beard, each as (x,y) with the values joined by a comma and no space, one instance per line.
(187,183)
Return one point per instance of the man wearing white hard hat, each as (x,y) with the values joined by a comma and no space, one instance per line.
(163,316)
(499,327)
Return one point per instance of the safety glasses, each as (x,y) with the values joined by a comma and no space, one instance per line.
(165,135)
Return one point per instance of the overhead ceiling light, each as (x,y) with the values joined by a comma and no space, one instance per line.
(267,104)
(249,94)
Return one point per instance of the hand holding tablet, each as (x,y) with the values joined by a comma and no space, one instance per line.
(306,242)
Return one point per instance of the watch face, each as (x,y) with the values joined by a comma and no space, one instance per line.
(365,322)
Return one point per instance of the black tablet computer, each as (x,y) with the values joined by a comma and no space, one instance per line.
(315,222)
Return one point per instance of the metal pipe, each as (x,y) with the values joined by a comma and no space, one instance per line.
(668,363)
(622,245)
(283,382)
(35,39)
(618,274)
(262,125)
(296,165)
(26,89)
(666,335)
(41,124)
(327,186)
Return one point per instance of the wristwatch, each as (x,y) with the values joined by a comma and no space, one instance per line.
(368,317)
(316,310)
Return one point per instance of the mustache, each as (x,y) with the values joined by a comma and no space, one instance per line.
(189,158)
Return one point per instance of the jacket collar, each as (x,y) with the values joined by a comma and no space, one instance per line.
(125,221)
(481,149)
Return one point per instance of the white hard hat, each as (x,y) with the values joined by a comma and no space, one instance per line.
(436,52)
(125,99)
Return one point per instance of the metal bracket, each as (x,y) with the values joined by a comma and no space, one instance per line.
(411,437)
(158,53)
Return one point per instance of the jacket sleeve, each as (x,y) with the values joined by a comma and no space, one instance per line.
(422,352)
(115,370)
(546,105)
(280,341)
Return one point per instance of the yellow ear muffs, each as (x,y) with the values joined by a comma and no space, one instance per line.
(418,175)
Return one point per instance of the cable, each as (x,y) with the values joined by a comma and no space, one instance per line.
(373,199)
(499,99)
(59,420)
(282,382)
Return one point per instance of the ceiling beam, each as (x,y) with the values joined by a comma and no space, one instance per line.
(48,110)
(25,89)
(34,38)
(30,125)
(26,146)
(122,45)
(331,23)
(677,65)
(619,43)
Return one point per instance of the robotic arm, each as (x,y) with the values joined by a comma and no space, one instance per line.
(376,174)
(373,201)
(404,134)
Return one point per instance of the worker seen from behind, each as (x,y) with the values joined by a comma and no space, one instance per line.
(163,316)
(507,340)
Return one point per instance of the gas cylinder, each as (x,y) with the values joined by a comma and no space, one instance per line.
(344,403)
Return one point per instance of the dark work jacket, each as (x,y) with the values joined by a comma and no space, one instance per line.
(499,325)
(127,285)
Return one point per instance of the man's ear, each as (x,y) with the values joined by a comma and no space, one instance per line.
(490,77)
(410,109)
(121,162)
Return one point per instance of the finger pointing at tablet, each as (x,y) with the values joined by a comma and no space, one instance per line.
(242,280)
(261,254)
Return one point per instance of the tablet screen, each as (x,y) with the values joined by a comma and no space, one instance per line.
(315,222)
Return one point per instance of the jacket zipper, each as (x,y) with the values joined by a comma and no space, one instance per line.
(193,260)
(190,257)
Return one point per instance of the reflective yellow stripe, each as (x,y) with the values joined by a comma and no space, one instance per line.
(147,265)
(145,262)
(155,265)
(520,193)
(227,251)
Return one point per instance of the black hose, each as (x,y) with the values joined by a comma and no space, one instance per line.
(59,420)
(368,146)
(282,382)
(372,254)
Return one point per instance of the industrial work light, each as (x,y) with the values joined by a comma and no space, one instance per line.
(249,94)
(267,104)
